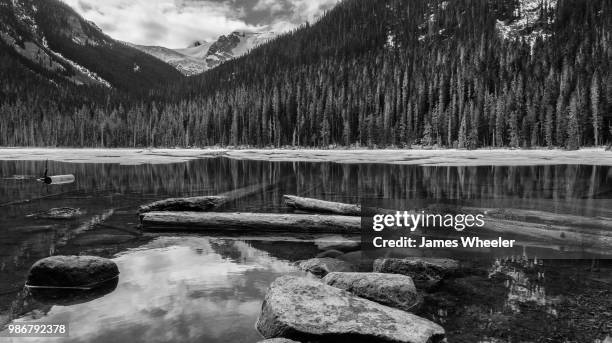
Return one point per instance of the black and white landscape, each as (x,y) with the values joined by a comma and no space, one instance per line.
(201,170)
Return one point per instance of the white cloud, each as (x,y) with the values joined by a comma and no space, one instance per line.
(177,23)
(310,10)
(160,22)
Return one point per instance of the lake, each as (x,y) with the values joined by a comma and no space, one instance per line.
(209,288)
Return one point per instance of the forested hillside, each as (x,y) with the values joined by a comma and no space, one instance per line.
(457,73)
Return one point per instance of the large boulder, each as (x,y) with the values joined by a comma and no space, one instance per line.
(393,290)
(323,266)
(72,271)
(426,272)
(304,309)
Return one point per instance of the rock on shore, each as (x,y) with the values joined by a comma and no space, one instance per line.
(307,310)
(393,290)
(426,272)
(72,271)
(323,266)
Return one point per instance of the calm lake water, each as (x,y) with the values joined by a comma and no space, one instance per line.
(197,288)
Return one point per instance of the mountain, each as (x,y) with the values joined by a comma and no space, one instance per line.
(185,64)
(202,55)
(51,39)
(389,73)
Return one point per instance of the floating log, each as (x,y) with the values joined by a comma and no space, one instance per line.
(543,217)
(249,222)
(197,204)
(571,236)
(57,179)
(322,206)
(202,203)
(569,229)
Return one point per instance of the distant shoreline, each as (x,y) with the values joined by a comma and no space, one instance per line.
(447,157)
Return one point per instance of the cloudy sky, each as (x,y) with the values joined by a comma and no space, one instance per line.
(177,23)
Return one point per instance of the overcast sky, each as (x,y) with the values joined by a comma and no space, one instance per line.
(177,23)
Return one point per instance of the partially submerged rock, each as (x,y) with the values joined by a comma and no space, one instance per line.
(393,290)
(330,253)
(61,213)
(80,272)
(340,243)
(70,297)
(323,266)
(426,272)
(307,310)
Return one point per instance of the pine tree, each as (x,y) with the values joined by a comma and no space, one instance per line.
(596,116)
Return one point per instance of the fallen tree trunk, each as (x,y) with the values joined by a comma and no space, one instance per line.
(249,222)
(322,206)
(571,236)
(542,217)
(568,229)
(197,204)
(203,203)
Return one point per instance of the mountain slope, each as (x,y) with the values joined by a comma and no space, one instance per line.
(202,56)
(456,74)
(49,36)
(185,64)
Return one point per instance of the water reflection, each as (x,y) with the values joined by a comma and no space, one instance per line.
(191,288)
(177,289)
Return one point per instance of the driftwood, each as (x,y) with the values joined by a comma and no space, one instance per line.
(249,222)
(571,236)
(322,206)
(569,229)
(542,217)
(197,204)
(203,203)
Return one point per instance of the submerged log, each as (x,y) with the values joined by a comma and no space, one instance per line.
(185,204)
(202,203)
(542,217)
(322,206)
(249,222)
(62,213)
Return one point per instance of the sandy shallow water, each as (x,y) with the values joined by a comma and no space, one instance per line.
(506,157)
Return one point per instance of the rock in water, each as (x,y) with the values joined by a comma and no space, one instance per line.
(393,290)
(307,310)
(426,272)
(322,266)
(330,254)
(72,271)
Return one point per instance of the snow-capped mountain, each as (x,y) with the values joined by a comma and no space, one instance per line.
(185,64)
(51,39)
(202,55)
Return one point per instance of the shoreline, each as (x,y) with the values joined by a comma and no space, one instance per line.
(422,157)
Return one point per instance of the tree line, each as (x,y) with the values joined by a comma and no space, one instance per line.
(368,73)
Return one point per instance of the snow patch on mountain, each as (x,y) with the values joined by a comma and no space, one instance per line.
(201,55)
(83,70)
(531,21)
